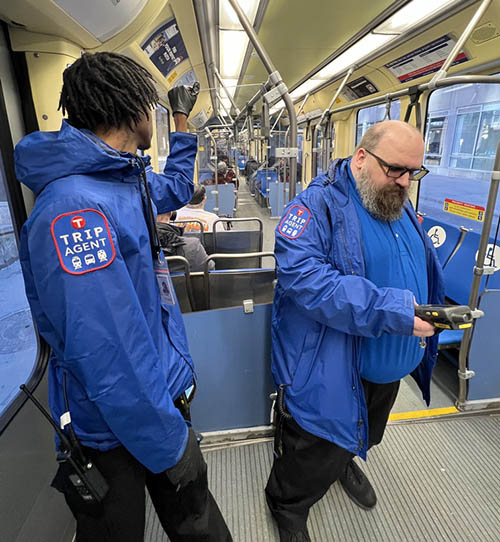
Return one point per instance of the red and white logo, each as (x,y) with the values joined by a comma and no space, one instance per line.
(78,222)
(300,212)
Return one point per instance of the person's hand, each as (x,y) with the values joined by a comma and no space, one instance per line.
(191,465)
(183,98)
(421,328)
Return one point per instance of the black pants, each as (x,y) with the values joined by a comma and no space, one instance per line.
(308,465)
(188,515)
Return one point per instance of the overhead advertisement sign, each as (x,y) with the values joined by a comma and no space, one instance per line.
(424,60)
(165,48)
(474,212)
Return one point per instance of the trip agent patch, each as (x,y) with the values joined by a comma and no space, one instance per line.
(295,221)
(83,241)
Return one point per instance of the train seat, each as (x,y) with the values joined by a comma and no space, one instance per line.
(277,199)
(226,202)
(205,175)
(181,280)
(457,252)
(230,287)
(450,338)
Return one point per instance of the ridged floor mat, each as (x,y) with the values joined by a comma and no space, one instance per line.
(435,481)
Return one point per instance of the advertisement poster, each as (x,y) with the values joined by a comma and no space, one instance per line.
(165,48)
(424,60)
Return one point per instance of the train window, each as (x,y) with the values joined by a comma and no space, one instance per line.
(460,146)
(434,140)
(18,340)
(300,144)
(368,116)
(162,135)
(318,149)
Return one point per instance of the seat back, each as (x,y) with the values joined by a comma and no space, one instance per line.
(229,288)
(238,241)
(195,228)
(181,279)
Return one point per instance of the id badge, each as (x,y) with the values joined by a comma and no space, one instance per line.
(164,281)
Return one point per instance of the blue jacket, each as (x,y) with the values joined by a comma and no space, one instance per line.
(87,264)
(323,305)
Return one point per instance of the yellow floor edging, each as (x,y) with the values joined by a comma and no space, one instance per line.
(422,413)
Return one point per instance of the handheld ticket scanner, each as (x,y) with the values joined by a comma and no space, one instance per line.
(448,316)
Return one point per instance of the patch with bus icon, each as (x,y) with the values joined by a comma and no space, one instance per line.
(295,221)
(83,241)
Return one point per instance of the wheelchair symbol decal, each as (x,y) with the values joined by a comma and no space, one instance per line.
(437,235)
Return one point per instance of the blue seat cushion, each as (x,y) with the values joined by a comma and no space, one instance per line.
(450,336)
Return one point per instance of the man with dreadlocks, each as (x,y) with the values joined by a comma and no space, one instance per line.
(101,296)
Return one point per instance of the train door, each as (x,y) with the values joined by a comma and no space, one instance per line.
(30,510)
(461,139)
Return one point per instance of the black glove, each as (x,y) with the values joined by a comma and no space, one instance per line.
(182,98)
(191,466)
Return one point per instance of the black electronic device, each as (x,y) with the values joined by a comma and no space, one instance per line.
(447,316)
(88,482)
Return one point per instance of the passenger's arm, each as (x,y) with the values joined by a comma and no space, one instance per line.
(106,344)
(173,188)
(348,303)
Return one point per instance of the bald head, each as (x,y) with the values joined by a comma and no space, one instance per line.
(391,129)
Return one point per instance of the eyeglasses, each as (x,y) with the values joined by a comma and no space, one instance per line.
(395,172)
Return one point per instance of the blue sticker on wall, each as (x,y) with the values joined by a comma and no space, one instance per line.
(83,241)
(295,221)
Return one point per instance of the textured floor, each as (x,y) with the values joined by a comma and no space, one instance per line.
(435,481)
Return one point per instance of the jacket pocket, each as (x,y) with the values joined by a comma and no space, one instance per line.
(308,356)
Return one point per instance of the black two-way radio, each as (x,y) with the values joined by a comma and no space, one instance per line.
(88,482)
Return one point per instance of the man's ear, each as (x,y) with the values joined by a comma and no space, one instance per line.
(358,158)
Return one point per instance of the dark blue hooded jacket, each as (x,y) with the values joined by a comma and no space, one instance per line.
(323,305)
(87,264)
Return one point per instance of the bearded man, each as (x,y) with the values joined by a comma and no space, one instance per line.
(353,261)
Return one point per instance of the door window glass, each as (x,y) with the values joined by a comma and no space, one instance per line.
(462,134)
(368,116)
(18,341)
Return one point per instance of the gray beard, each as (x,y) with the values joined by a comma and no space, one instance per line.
(384,203)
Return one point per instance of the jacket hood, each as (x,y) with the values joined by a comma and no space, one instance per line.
(43,157)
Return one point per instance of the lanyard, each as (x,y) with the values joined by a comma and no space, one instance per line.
(154,240)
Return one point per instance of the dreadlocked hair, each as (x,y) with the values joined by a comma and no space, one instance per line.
(106,90)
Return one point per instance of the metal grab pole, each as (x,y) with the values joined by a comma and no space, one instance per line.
(461,40)
(276,79)
(337,93)
(216,176)
(228,94)
(277,120)
(463,371)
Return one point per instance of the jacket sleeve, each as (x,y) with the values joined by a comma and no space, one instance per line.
(105,343)
(348,303)
(173,188)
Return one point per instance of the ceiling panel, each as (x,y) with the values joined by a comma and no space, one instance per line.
(298,35)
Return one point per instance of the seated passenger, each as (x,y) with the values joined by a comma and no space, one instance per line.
(195,211)
(174,244)
(224,175)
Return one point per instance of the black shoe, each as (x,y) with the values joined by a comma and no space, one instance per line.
(357,486)
(294,536)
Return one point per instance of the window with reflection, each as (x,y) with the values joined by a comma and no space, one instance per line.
(368,116)
(18,340)
(434,140)
(461,137)
(162,135)
(319,149)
